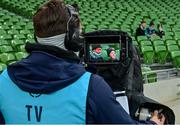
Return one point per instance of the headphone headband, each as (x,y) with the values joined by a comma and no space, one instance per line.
(72,39)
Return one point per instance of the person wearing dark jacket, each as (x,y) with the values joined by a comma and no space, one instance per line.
(160,32)
(141,30)
(50,86)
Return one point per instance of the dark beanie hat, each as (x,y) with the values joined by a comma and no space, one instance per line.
(109,50)
(94,46)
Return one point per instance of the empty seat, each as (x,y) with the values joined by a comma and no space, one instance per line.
(17,42)
(161,53)
(13,32)
(20,55)
(3,42)
(21,48)
(178,42)
(19,36)
(7,57)
(2,67)
(170,42)
(6,36)
(5,49)
(148,54)
(149,75)
(157,42)
(2,32)
(167,37)
(173,48)
(176,58)
(142,38)
(145,43)
(155,38)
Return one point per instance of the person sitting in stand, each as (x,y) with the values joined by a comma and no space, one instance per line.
(141,30)
(151,30)
(160,32)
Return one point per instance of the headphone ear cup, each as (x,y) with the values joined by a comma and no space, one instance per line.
(72,41)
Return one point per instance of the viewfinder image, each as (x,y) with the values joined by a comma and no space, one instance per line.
(104,52)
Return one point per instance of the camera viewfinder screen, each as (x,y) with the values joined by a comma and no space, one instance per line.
(106,52)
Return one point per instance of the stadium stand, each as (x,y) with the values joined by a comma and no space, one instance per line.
(16,26)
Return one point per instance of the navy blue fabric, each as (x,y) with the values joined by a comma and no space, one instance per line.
(45,73)
(102,106)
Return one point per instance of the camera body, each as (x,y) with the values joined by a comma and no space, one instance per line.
(122,72)
(105,49)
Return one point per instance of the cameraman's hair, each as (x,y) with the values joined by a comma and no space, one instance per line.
(51,19)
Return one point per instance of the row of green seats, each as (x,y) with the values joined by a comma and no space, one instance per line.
(7,58)
(110,11)
(161,54)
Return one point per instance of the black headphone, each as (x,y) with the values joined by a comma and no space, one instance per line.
(72,41)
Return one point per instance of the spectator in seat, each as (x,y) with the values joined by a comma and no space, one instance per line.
(160,32)
(141,30)
(151,30)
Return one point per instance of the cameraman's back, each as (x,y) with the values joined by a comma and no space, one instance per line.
(49,86)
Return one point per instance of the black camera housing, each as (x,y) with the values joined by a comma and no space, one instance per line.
(119,40)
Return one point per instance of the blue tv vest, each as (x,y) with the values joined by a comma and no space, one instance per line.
(66,106)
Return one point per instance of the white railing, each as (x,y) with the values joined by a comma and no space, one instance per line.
(161,74)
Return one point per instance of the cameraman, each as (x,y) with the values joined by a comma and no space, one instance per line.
(50,86)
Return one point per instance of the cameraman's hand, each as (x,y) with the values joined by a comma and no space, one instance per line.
(158,119)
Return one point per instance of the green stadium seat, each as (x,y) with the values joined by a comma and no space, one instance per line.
(3,42)
(170,42)
(8,24)
(11,62)
(6,37)
(16,42)
(177,35)
(12,32)
(145,43)
(135,43)
(2,32)
(21,48)
(161,53)
(151,76)
(25,32)
(15,20)
(167,37)
(20,55)
(142,38)
(176,58)
(171,48)
(5,49)
(148,54)
(16,27)
(178,42)
(158,42)
(155,38)
(7,57)
(19,36)
(2,67)
(30,36)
